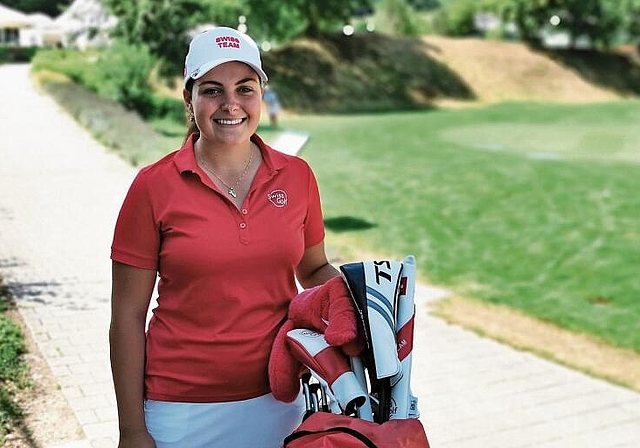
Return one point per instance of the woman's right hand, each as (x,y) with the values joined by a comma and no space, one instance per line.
(140,439)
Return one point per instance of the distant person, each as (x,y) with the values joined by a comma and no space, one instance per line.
(273,105)
(228,224)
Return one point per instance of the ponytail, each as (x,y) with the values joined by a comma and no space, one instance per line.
(192,127)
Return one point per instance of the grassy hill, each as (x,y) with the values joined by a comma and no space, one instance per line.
(376,72)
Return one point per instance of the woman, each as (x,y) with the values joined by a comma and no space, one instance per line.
(228,224)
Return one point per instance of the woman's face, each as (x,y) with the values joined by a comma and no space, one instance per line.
(226,103)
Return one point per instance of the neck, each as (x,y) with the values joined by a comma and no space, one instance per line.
(224,157)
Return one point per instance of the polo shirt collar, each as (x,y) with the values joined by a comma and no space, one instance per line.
(185,158)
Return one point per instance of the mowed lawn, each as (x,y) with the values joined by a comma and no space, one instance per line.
(529,205)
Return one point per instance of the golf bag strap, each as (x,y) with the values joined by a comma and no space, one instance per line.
(342,429)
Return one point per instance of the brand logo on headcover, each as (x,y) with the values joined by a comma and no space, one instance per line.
(278,198)
(310,333)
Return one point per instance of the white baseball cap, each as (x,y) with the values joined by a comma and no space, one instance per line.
(219,45)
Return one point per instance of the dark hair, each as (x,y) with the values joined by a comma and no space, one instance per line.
(192,127)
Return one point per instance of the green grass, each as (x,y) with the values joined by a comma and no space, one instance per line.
(527,205)
(13,370)
(531,206)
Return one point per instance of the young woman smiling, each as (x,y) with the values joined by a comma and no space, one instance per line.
(228,224)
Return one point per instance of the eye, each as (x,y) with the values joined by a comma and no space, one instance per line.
(211,91)
(245,89)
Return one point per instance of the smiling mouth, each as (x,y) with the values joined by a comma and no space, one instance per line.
(227,122)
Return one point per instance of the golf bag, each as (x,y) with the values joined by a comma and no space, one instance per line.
(328,430)
(365,400)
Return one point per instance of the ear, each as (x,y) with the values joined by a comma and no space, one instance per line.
(186,96)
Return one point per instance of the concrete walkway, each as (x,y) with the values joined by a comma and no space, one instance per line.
(60,192)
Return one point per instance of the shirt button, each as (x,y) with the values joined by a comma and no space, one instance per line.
(245,211)
(243,225)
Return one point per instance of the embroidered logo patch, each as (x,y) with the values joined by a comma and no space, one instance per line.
(228,42)
(278,198)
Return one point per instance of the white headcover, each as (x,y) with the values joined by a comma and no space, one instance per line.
(382,280)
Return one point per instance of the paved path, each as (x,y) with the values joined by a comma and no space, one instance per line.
(59,196)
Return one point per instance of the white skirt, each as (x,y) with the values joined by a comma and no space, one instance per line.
(258,422)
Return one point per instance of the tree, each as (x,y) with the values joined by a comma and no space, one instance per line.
(163,25)
(456,18)
(282,20)
(51,8)
(159,24)
(398,16)
(424,5)
(599,20)
(630,10)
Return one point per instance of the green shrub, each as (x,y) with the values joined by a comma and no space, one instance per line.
(16,54)
(79,67)
(119,72)
(398,17)
(456,18)
(170,108)
(123,72)
(11,347)
(13,370)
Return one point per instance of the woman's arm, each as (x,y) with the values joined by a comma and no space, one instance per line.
(314,268)
(130,296)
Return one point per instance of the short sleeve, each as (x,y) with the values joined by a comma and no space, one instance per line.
(314,226)
(136,239)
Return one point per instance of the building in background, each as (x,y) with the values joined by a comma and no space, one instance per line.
(83,24)
(12,23)
(86,23)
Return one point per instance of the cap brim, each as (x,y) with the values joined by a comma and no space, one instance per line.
(205,68)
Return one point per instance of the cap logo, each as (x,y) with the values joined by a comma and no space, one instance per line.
(278,198)
(228,42)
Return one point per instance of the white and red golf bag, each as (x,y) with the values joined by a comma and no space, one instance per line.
(375,386)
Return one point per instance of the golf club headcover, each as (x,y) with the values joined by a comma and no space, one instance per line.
(329,364)
(374,288)
(328,309)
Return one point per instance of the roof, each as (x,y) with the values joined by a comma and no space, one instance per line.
(11,18)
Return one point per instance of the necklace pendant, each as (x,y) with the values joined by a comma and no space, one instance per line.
(232,193)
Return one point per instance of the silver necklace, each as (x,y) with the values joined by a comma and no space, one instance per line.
(230,189)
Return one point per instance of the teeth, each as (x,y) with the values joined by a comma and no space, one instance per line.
(237,121)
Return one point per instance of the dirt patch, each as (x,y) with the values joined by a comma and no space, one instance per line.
(578,351)
(48,419)
(504,71)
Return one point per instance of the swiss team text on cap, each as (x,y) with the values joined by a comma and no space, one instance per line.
(228,42)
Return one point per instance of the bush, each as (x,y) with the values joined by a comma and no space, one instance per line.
(399,18)
(17,54)
(120,73)
(170,108)
(124,73)
(13,369)
(456,18)
(79,67)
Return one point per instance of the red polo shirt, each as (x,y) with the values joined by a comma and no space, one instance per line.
(226,275)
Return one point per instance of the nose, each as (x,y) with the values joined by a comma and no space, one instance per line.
(230,103)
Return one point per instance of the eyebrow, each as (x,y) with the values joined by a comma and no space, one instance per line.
(242,81)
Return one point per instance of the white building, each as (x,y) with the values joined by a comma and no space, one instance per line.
(84,23)
(12,23)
